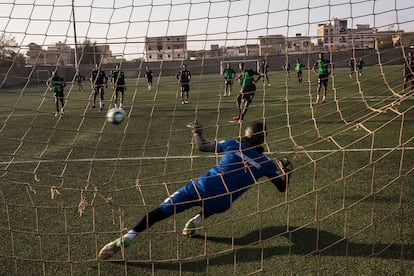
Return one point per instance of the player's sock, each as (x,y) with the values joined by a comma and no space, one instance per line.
(196,220)
(131,234)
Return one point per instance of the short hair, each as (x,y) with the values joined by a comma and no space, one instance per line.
(258,134)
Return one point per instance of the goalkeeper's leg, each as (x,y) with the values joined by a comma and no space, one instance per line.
(117,245)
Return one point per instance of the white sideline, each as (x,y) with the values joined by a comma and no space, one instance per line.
(186,156)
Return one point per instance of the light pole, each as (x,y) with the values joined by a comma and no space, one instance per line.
(74,34)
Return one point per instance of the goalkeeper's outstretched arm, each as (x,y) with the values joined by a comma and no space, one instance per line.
(198,139)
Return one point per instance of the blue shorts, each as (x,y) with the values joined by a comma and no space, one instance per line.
(188,197)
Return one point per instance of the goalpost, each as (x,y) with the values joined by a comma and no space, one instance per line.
(70,183)
(42,76)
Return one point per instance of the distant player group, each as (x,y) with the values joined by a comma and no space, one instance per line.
(247,79)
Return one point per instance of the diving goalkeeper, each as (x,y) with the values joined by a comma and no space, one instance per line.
(241,165)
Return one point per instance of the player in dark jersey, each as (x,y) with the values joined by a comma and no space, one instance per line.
(409,71)
(286,67)
(119,86)
(298,69)
(79,79)
(98,81)
(240,167)
(351,65)
(264,70)
(184,77)
(322,69)
(228,75)
(57,84)
(248,89)
(148,75)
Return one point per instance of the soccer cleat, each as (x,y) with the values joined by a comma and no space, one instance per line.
(189,229)
(236,118)
(56,114)
(113,247)
(186,101)
(182,102)
(93,106)
(286,167)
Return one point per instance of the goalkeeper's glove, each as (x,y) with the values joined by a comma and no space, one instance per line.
(195,127)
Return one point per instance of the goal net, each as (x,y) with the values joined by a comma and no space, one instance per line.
(71,182)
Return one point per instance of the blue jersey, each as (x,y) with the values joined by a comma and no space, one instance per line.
(215,190)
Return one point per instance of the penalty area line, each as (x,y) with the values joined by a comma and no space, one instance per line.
(185,156)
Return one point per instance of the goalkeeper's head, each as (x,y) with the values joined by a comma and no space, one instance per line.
(254,135)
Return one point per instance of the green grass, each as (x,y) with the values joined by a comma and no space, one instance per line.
(70,184)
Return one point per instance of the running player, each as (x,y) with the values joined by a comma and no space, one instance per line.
(409,71)
(322,70)
(229,75)
(298,69)
(98,80)
(148,75)
(248,89)
(119,86)
(264,70)
(184,77)
(57,84)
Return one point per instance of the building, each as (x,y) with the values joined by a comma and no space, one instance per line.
(361,38)
(270,44)
(58,54)
(165,48)
(63,55)
(336,35)
(333,35)
(298,43)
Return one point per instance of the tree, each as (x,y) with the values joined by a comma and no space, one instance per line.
(9,49)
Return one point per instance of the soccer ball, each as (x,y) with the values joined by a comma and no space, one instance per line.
(115,115)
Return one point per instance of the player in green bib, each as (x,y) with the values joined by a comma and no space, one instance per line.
(322,68)
(248,89)
(56,83)
(360,65)
(228,75)
(298,69)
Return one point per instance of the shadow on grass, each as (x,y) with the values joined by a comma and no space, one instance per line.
(300,242)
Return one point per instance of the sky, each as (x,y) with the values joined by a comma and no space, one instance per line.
(123,24)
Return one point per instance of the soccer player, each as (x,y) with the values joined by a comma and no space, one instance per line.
(240,166)
(229,75)
(79,79)
(298,69)
(322,69)
(286,67)
(351,65)
(98,80)
(248,89)
(57,84)
(184,77)
(119,86)
(409,71)
(360,65)
(263,70)
(148,75)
